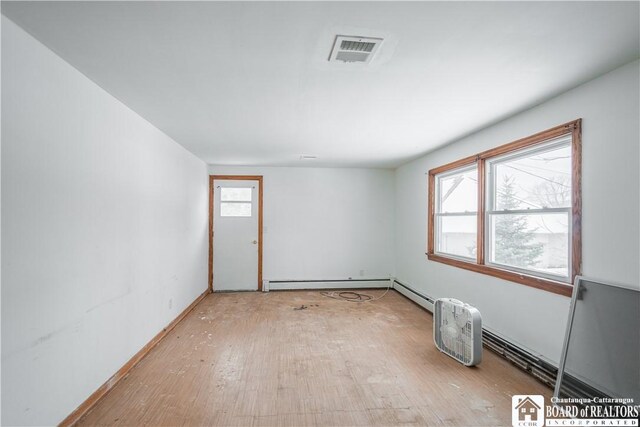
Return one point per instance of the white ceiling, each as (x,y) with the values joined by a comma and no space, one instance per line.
(249,83)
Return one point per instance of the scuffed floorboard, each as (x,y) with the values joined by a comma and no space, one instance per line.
(252,359)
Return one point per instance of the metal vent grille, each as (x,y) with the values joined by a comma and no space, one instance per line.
(351,49)
(352,56)
(354,46)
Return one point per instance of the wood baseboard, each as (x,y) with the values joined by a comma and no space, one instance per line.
(91,401)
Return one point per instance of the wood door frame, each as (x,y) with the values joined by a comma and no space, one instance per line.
(260,212)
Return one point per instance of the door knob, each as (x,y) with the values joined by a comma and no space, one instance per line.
(255,242)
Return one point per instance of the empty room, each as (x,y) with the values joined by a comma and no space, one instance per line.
(304,213)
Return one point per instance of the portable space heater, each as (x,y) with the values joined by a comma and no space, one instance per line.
(457,330)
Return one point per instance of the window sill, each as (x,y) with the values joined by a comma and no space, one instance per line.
(559,288)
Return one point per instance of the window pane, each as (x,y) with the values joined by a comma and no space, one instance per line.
(229,194)
(235,209)
(534,181)
(459,192)
(537,242)
(457,235)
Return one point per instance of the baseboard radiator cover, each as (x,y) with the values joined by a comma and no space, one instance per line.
(528,362)
(415,296)
(287,285)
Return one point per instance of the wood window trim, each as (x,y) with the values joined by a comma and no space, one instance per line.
(573,128)
(260,220)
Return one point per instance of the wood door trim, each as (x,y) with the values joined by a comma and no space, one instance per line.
(211,216)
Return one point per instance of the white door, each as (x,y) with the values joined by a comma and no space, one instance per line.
(235,235)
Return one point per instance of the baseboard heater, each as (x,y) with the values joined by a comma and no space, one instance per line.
(415,296)
(541,370)
(281,285)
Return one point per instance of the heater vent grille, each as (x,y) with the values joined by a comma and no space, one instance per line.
(354,49)
(357,46)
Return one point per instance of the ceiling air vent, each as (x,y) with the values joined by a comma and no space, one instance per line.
(354,49)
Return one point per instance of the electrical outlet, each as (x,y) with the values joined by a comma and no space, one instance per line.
(361,273)
(170,303)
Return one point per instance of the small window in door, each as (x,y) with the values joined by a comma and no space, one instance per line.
(235,202)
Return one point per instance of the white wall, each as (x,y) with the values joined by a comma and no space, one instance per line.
(0,229)
(104,222)
(325,223)
(534,318)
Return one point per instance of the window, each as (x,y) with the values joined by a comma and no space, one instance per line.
(456,212)
(529,208)
(235,201)
(513,211)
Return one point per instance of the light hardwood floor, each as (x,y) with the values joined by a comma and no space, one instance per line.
(252,359)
